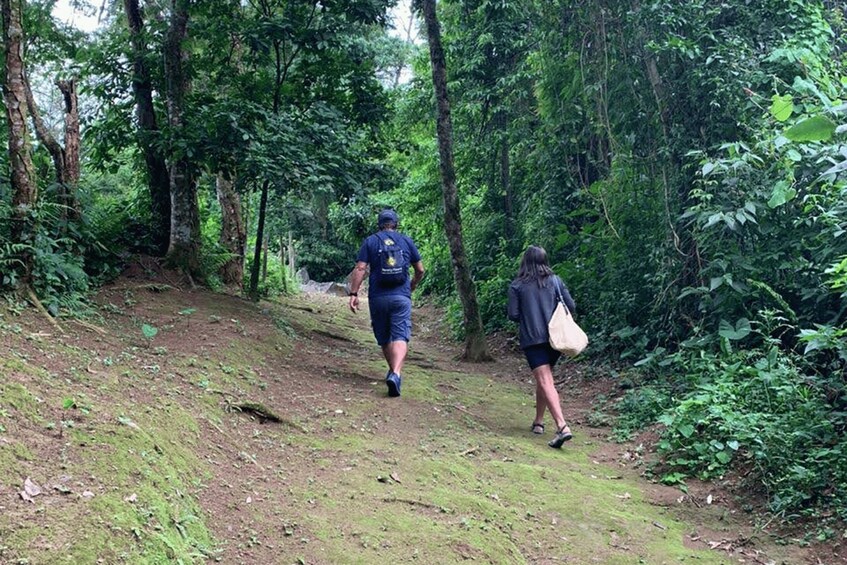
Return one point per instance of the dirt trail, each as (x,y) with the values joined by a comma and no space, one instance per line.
(157,449)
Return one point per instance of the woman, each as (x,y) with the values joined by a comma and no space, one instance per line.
(533,296)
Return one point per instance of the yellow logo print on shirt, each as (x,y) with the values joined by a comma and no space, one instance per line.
(391,261)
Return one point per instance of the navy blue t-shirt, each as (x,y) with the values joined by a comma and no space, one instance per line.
(369,253)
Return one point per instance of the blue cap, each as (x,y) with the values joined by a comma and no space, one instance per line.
(387,216)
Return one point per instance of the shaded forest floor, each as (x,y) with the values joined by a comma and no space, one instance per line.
(137,449)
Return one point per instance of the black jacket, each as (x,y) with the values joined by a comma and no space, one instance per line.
(532,307)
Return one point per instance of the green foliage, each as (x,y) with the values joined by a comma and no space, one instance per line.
(11,263)
(640,407)
(682,164)
(756,412)
(57,276)
(148,331)
(279,281)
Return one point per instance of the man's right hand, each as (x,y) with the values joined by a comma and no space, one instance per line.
(354,304)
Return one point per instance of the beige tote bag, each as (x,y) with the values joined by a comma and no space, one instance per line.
(565,335)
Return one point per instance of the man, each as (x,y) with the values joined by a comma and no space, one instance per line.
(389,254)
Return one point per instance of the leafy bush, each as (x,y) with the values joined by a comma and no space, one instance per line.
(640,407)
(756,412)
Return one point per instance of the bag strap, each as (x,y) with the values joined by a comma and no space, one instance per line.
(557,283)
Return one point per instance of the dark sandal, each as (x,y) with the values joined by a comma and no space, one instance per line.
(537,428)
(562,435)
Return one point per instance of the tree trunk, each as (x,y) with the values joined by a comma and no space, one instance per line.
(24,188)
(280,73)
(72,140)
(282,270)
(265,258)
(233,234)
(184,248)
(158,178)
(260,234)
(476,349)
(65,159)
(292,266)
(72,145)
(57,154)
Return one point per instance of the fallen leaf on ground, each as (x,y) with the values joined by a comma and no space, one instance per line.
(31,488)
(396,477)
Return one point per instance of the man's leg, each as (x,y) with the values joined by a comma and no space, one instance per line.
(398,344)
(395,355)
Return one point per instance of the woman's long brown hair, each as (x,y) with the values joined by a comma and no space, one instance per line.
(534,266)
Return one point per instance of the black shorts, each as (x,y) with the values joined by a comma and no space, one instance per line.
(541,354)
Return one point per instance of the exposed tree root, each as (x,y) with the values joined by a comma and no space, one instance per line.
(333,336)
(30,294)
(257,409)
(91,327)
(412,502)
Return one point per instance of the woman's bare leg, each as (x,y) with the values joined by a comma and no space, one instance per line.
(544,383)
(540,403)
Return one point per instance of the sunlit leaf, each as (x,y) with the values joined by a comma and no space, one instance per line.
(782,107)
(818,128)
(782,193)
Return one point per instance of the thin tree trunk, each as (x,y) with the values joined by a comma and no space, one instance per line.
(158,178)
(476,349)
(247,211)
(398,73)
(24,187)
(65,159)
(260,234)
(72,139)
(282,270)
(291,264)
(184,248)
(233,234)
(265,258)
(72,145)
(57,154)
(280,73)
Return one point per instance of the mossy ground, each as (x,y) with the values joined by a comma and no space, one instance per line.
(144,456)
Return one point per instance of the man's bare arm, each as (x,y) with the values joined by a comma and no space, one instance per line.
(419,274)
(356,278)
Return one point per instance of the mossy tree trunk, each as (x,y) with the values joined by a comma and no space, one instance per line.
(233,233)
(476,349)
(184,247)
(24,187)
(158,179)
